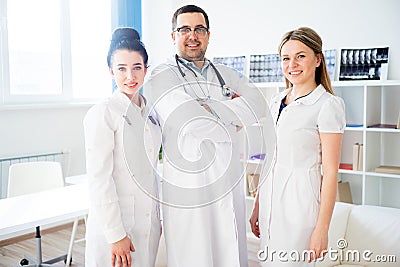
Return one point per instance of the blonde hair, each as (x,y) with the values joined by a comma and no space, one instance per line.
(310,38)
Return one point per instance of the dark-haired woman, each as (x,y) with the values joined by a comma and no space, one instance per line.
(122,142)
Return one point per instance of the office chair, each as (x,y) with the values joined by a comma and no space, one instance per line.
(31,177)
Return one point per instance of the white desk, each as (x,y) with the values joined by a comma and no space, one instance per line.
(76,179)
(25,212)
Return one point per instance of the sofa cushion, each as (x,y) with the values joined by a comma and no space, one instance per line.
(374,229)
(337,231)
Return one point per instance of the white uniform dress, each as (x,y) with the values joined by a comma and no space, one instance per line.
(120,142)
(289,199)
(204,215)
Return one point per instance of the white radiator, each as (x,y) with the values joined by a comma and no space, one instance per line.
(5,164)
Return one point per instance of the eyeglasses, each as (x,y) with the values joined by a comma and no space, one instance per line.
(199,31)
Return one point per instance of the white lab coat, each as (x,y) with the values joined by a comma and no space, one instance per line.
(204,211)
(121,153)
(289,199)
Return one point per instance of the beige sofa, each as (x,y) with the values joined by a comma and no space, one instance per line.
(367,231)
(370,232)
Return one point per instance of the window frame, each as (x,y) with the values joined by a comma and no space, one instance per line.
(124,13)
(66,67)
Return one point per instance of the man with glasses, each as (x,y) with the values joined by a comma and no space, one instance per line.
(201,108)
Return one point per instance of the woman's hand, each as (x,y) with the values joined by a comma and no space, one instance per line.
(331,144)
(254,219)
(120,253)
(318,244)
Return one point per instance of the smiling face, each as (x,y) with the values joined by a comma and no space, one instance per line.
(191,47)
(299,63)
(128,71)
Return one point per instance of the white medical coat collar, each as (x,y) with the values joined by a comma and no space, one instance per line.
(195,68)
(172,61)
(310,99)
(125,101)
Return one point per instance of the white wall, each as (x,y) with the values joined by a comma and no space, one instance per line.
(255,26)
(156,30)
(245,27)
(33,131)
(242,28)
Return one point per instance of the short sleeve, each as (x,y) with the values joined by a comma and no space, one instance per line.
(331,118)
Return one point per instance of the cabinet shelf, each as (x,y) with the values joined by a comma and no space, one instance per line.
(383,130)
(365,83)
(338,83)
(250,198)
(367,103)
(350,172)
(355,129)
(383,175)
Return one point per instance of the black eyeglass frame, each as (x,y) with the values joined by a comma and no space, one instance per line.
(192,29)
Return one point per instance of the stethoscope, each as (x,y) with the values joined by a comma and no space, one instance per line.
(225,90)
(150,117)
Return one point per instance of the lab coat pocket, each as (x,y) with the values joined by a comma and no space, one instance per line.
(314,178)
(127,207)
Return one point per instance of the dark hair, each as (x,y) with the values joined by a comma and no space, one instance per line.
(129,39)
(310,38)
(189,9)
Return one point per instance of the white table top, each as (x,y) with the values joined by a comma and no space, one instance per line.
(76,179)
(31,210)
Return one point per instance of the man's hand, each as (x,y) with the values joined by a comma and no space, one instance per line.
(206,107)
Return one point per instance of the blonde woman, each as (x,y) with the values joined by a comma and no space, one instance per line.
(294,206)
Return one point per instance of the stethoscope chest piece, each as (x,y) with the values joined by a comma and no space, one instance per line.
(226,91)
